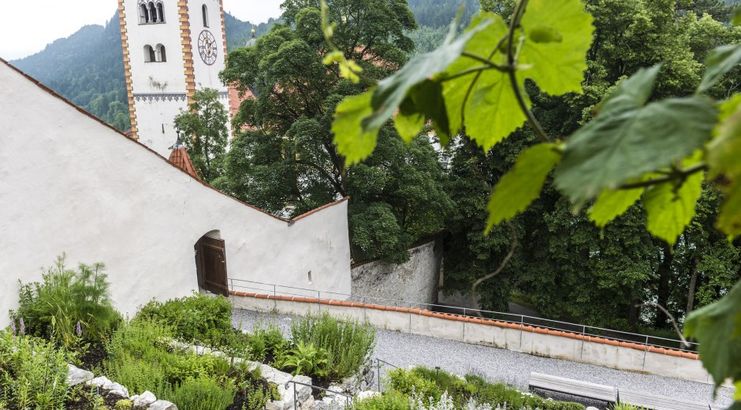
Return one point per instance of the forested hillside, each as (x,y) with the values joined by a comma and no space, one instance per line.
(87,67)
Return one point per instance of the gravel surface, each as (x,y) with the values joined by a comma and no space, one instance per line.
(501,365)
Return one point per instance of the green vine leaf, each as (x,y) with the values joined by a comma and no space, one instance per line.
(629,139)
(723,157)
(489,109)
(561,32)
(522,185)
(352,140)
(670,208)
(612,203)
(393,90)
(716,328)
(719,62)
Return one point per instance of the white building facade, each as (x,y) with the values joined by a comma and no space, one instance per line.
(171,48)
(72,184)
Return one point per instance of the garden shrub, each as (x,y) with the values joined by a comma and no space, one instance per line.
(306,359)
(198,318)
(428,383)
(33,373)
(348,344)
(392,400)
(67,306)
(253,392)
(267,344)
(202,393)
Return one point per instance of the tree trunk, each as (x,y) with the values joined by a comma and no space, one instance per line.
(662,293)
(692,288)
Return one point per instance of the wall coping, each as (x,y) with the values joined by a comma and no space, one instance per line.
(474,320)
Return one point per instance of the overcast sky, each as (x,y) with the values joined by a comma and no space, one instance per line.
(27,26)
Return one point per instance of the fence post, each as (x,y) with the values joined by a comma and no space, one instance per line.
(378,374)
(295,400)
(275,292)
(522,329)
(645,353)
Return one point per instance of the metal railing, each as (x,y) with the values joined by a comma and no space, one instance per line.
(586,330)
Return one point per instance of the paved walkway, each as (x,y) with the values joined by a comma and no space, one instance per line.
(502,365)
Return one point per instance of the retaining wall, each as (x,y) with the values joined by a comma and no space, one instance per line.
(512,336)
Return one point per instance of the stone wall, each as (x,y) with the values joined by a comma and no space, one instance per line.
(415,280)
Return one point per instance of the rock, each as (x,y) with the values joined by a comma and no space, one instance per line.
(144,400)
(112,388)
(592,408)
(367,394)
(99,382)
(162,405)
(77,376)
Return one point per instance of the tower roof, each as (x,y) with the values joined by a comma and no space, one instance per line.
(180,158)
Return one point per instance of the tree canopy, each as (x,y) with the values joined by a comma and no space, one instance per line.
(285,160)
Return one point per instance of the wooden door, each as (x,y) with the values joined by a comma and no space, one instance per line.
(211,265)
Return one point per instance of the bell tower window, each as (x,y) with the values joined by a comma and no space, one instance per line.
(143,14)
(161,53)
(149,55)
(151,12)
(204,11)
(160,12)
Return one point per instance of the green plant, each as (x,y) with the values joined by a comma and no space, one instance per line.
(202,393)
(197,318)
(267,344)
(306,359)
(67,306)
(141,357)
(623,406)
(348,344)
(392,400)
(431,385)
(124,405)
(33,373)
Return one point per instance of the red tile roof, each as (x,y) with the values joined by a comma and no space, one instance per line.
(180,158)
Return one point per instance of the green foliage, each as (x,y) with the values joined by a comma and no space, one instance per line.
(434,384)
(719,62)
(87,68)
(267,344)
(33,373)
(716,327)
(203,130)
(306,359)
(287,162)
(67,306)
(511,196)
(393,400)
(629,138)
(348,344)
(670,207)
(203,393)
(198,318)
(124,405)
(723,155)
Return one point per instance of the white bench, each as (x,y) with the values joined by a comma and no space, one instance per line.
(652,402)
(574,387)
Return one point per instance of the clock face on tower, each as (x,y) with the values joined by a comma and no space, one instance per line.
(207,47)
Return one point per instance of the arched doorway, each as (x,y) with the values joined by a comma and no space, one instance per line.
(211,263)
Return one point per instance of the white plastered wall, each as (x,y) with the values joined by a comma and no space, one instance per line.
(70,184)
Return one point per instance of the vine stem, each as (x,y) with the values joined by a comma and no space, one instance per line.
(512,63)
(680,174)
(505,262)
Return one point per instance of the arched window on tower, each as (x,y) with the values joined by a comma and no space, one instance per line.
(161,53)
(152,12)
(160,12)
(149,55)
(143,14)
(204,10)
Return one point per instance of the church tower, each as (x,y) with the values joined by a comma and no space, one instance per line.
(171,48)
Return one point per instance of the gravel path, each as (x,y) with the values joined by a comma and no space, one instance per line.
(501,365)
